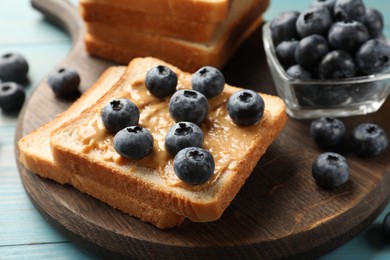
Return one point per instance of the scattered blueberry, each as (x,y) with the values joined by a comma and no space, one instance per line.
(285,51)
(188,105)
(369,140)
(182,135)
(347,35)
(330,170)
(245,107)
(13,67)
(209,81)
(283,27)
(327,132)
(373,57)
(337,64)
(386,225)
(373,20)
(64,82)
(134,142)
(314,20)
(161,81)
(349,10)
(310,51)
(118,114)
(12,97)
(193,165)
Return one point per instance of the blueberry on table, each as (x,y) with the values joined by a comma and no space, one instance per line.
(310,51)
(245,107)
(188,105)
(373,57)
(285,51)
(373,20)
(13,67)
(347,36)
(12,97)
(329,4)
(64,82)
(369,140)
(314,20)
(209,81)
(134,142)
(330,170)
(345,10)
(337,64)
(194,165)
(118,114)
(283,27)
(327,132)
(161,81)
(182,135)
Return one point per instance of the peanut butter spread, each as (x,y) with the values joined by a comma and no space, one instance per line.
(226,141)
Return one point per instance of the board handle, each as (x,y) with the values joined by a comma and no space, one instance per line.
(63,14)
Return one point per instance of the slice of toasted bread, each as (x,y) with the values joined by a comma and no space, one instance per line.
(195,10)
(83,145)
(161,24)
(35,154)
(122,45)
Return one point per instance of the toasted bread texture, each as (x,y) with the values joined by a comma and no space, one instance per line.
(84,146)
(35,154)
(194,10)
(121,45)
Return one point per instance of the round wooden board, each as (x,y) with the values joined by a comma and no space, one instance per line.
(280,212)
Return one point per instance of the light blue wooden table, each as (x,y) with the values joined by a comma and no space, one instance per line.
(24,233)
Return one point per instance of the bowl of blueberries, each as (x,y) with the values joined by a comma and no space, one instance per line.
(331,59)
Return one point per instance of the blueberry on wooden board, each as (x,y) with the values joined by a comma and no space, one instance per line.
(64,82)
(330,170)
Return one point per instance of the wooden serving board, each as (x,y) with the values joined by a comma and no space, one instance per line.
(280,212)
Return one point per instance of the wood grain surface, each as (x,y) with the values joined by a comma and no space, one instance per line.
(280,212)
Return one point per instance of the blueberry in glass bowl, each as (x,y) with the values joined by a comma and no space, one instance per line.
(339,82)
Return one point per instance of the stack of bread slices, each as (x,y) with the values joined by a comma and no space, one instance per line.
(187,33)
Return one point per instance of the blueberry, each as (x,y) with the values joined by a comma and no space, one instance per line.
(337,64)
(161,81)
(369,140)
(209,81)
(373,57)
(194,165)
(182,135)
(285,51)
(133,142)
(349,10)
(12,97)
(329,4)
(373,20)
(64,82)
(330,170)
(188,105)
(245,107)
(283,27)
(297,72)
(314,20)
(386,225)
(327,132)
(347,36)
(13,67)
(310,51)
(118,114)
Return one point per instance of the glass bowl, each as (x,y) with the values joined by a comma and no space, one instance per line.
(330,98)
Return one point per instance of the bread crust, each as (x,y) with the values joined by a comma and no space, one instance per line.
(35,154)
(194,10)
(203,204)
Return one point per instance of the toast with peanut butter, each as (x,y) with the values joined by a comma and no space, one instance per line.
(84,145)
(121,42)
(35,154)
(195,10)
